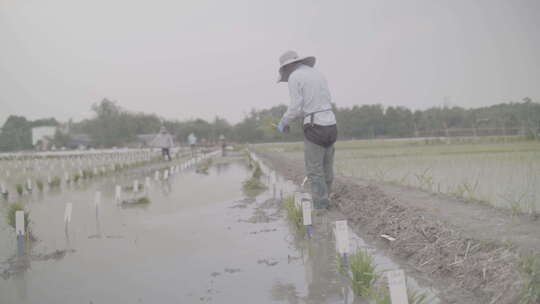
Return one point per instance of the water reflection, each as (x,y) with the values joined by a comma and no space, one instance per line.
(324,283)
(285,292)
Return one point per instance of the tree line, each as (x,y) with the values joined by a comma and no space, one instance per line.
(113,125)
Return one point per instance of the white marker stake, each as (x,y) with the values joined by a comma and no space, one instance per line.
(306,212)
(135,186)
(97,199)
(156,176)
(19,222)
(29,184)
(118,193)
(66,177)
(147,182)
(342,241)
(342,237)
(166,174)
(398,286)
(19,230)
(3,188)
(67,213)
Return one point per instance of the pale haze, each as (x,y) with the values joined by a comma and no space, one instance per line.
(191,59)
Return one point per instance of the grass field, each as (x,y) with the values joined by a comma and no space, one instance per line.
(501,171)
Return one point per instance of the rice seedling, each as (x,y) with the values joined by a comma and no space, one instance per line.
(10,216)
(530,273)
(417,297)
(363,274)
(253,184)
(143,200)
(87,174)
(294,214)
(55,182)
(257,173)
(76,177)
(19,188)
(340,265)
(130,187)
(204,166)
(39,184)
(379,295)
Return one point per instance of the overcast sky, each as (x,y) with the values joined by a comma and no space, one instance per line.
(189,59)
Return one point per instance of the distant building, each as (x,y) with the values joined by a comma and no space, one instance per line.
(79,141)
(42,136)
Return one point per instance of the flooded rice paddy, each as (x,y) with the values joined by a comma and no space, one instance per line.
(505,174)
(199,240)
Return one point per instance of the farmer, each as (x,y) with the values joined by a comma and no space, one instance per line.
(164,140)
(192,140)
(311,101)
(223,145)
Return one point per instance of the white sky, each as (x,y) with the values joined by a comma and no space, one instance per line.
(188,59)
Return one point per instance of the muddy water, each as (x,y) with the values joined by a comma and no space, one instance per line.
(200,240)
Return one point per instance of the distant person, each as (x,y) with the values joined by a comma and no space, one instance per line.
(192,140)
(164,140)
(223,145)
(311,101)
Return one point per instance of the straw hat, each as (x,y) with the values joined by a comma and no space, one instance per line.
(292,57)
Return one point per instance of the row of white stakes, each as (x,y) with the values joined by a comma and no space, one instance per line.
(166,173)
(103,169)
(19,215)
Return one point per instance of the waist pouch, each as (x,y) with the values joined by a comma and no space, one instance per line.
(324,136)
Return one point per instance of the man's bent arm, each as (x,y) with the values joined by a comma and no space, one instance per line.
(295,108)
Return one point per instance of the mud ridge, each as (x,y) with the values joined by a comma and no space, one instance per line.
(464,266)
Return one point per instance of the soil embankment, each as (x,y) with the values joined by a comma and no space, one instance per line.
(468,250)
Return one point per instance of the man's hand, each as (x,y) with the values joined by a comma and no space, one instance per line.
(283,128)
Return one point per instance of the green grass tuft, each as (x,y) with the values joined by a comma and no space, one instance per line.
(10,216)
(363,274)
(87,174)
(143,200)
(257,173)
(76,177)
(530,272)
(204,166)
(253,184)
(294,214)
(19,188)
(55,182)
(39,184)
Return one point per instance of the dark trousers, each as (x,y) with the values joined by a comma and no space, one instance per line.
(320,172)
(166,152)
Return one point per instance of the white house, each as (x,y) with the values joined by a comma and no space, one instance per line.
(43,134)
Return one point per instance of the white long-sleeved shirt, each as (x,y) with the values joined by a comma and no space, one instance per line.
(309,93)
(163,140)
